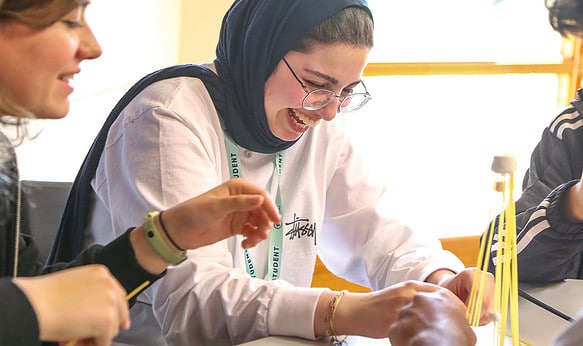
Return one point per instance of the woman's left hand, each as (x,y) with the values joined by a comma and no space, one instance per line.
(461,285)
(234,207)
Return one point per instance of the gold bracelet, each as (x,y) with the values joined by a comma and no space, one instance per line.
(333,308)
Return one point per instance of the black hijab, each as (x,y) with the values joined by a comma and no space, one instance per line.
(255,36)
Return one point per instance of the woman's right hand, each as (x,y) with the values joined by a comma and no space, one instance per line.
(369,314)
(85,302)
(234,207)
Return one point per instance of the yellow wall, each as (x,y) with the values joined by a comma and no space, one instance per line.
(199,29)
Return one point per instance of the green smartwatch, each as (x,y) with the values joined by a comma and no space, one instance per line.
(161,247)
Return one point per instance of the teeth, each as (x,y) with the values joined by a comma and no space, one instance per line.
(298,124)
(306,121)
(67,78)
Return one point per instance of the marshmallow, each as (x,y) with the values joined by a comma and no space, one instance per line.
(499,185)
(495,316)
(504,164)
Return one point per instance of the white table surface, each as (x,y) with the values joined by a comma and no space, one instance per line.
(484,335)
(537,326)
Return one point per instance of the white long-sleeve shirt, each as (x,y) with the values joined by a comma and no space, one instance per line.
(168,146)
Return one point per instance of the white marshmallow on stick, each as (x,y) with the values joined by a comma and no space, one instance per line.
(504,164)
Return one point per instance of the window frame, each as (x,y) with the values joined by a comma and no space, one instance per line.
(569,71)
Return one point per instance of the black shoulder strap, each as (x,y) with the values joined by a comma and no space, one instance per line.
(69,239)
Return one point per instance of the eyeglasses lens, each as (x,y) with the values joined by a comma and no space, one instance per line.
(320,98)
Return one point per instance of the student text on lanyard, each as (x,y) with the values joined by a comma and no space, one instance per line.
(276,235)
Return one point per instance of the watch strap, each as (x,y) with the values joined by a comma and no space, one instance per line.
(160,245)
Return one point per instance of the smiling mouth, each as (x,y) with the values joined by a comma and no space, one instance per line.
(302,121)
(66,77)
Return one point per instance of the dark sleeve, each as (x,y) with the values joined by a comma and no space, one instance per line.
(18,325)
(119,257)
(549,248)
(28,257)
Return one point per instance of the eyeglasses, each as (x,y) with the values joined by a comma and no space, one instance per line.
(320,98)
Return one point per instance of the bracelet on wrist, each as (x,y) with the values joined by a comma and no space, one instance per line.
(166,232)
(331,319)
(162,248)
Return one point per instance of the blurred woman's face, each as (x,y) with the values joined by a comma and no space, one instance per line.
(36,66)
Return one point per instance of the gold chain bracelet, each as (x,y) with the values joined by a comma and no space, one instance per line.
(331,319)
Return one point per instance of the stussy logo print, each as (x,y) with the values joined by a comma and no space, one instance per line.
(301,227)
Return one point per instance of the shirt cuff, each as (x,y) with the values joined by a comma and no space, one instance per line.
(291,311)
(446,260)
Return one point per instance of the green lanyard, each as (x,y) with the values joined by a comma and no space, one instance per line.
(276,235)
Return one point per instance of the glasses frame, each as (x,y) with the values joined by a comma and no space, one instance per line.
(340,98)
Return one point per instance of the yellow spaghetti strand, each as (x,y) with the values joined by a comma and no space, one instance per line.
(505,303)
(474,310)
(498,268)
(513,294)
(476,294)
(502,278)
(507,278)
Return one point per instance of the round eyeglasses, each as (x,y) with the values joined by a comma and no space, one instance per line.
(320,98)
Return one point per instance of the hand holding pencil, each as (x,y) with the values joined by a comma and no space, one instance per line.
(80,302)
